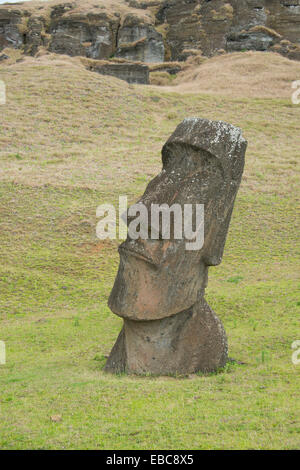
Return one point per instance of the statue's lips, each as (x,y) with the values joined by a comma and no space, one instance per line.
(155,252)
(136,254)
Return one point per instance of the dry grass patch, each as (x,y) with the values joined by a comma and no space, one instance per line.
(248,74)
(14,56)
(78,8)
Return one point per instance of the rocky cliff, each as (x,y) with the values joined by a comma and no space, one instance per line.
(233,25)
(152,30)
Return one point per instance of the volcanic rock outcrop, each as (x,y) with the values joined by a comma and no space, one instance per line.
(160,286)
(131,73)
(152,30)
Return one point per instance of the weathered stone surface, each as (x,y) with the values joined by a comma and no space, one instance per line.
(140,42)
(160,286)
(131,73)
(190,341)
(229,25)
(288,49)
(284,17)
(91,36)
(3,57)
(10,35)
(33,37)
(82,36)
(195,25)
(152,31)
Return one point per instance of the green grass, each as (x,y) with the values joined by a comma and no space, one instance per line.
(71,141)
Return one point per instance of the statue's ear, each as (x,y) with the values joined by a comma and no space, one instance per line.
(216,235)
(214,245)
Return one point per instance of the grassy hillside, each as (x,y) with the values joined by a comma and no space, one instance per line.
(249,74)
(71,140)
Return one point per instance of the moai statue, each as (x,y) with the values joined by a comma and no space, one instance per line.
(159,289)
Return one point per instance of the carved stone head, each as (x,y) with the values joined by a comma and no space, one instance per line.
(203,163)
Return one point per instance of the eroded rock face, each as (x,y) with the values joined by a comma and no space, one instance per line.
(80,36)
(10,35)
(153,31)
(33,38)
(231,25)
(3,57)
(131,73)
(160,286)
(140,42)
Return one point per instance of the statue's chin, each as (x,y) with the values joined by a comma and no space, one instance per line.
(142,293)
(141,311)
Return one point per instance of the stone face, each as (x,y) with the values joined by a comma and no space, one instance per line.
(131,73)
(160,286)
